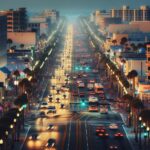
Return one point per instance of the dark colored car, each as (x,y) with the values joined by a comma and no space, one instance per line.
(51,143)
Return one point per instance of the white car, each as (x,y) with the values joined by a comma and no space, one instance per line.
(93,99)
(79,81)
(90,86)
(113,126)
(81,85)
(44,105)
(92,81)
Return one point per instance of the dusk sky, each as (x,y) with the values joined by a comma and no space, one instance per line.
(70,6)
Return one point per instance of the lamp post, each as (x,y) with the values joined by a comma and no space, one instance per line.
(1,144)
(16,82)
(147,129)
(145,134)
(140,122)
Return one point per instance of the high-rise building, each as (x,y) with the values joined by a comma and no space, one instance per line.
(127,14)
(3,40)
(148,61)
(16,19)
(52,14)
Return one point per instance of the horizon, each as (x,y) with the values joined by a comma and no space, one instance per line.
(68,7)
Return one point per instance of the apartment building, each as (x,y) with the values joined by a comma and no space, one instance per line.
(127,14)
(16,19)
(148,61)
(3,40)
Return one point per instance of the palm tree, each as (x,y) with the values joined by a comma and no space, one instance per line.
(21,46)
(27,71)
(136,107)
(114,42)
(123,41)
(16,73)
(145,114)
(9,42)
(132,75)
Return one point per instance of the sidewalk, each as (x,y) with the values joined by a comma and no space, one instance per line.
(23,135)
(128,130)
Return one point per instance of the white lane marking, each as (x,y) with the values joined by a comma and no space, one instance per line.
(131,144)
(86,135)
(69,134)
(21,147)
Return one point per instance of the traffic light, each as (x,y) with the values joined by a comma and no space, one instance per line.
(83,102)
(81,68)
(145,134)
(76,68)
(24,106)
(87,68)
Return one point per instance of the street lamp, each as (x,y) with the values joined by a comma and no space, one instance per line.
(140,122)
(148,129)
(1,141)
(16,82)
(145,134)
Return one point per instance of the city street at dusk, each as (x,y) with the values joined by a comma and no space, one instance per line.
(75,79)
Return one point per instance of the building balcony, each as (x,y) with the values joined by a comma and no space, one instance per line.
(148,72)
(148,63)
(147,53)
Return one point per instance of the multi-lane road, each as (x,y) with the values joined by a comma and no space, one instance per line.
(74,126)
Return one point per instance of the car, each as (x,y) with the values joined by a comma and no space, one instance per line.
(43,105)
(95,71)
(51,143)
(74,77)
(91,93)
(103,134)
(113,126)
(62,105)
(74,93)
(34,136)
(100,129)
(85,75)
(50,100)
(91,81)
(118,135)
(103,110)
(51,109)
(82,94)
(57,100)
(92,99)
(79,81)
(113,147)
(93,108)
(42,114)
(90,86)
(79,75)
(50,127)
(81,85)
